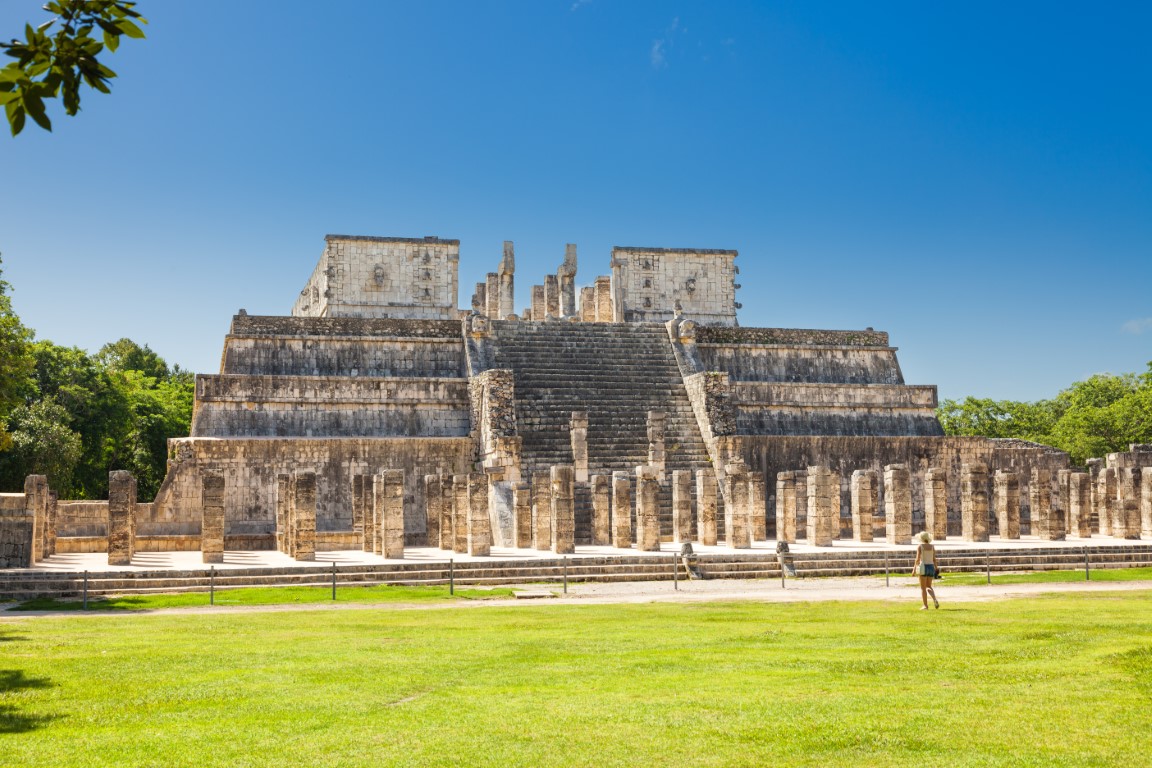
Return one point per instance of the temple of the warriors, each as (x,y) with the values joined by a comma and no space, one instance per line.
(622,409)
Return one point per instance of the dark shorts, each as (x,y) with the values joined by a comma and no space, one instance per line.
(929,570)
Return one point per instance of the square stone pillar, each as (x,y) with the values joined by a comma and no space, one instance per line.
(212,524)
(304,510)
(657,423)
(566,280)
(604,299)
(621,511)
(647,509)
(758,506)
(588,304)
(823,506)
(460,507)
(507,272)
(538,305)
(936,503)
(1007,485)
(1127,503)
(542,510)
(290,522)
(551,295)
(1146,502)
(522,504)
(974,501)
(361,505)
(121,516)
(492,295)
(706,506)
(16,536)
(1062,500)
(478,525)
(786,506)
(682,506)
(480,299)
(283,502)
(36,500)
(1079,505)
(447,528)
(897,504)
(433,509)
(50,536)
(1106,500)
(563,492)
(1046,522)
(737,520)
(601,510)
(388,508)
(578,430)
(865,499)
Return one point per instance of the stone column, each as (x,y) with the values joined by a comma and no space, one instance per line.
(647,509)
(588,304)
(1128,503)
(480,299)
(578,426)
(801,502)
(212,523)
(601,510)
(290,522)
(1079,505)
(563,510)
(1062,500)
(388,508)
(1045,523)
(604,299)
(551,296)
(507,281)
(522,503)
(433,509)
(936,503)
(865,499)
(36,500)
(460,507)
(1146,502)
(621,511)
(682,506)
(121,516)
(447,512)
(706,506)
(1007,503)
(542,510)
(492,295)
(974,501)
(304,509)
(823,506)
(283,504)
(1094,466)
(566,278)
(657,421)
(1106,500)
(50,537)
(786,507)
(539,307)
(757,506)
(897,504)
(737,520)
(361,505)
(478,530)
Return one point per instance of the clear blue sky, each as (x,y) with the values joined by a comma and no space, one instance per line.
(975,178)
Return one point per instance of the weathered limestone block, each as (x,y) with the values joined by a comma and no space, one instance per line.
(824,506)
(621,511)
(737,517)
(447,512)
(578,426)
(588,304)
(706,506)
(388,499)
(542,510)
(604,299)
(1106,500)
(522,501)
(974,501)
(682,506)
(1146,502)
(1007,496)
(1062,501)
(865,498)
(1127,503)
(1080,505)
(283,505)
(304,512)
(36,499)
(507,273)
(460,509)
(50,532)
(563,510)
(551,296)
(1046,522)
(492,295)
(657,425)
(478,530)
(539,307)
(897,504)
(601,510)
(1095,467)
(16,532)
(566,279)
(480,299)
(121,517)
(212,525)
(501,512)
(647,509)
(936,503)
(758,506)
(786,506)
(433,508)
(361,507)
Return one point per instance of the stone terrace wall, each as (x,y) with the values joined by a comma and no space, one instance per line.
(846,364)
(764,408)
(81,518)
(788,336)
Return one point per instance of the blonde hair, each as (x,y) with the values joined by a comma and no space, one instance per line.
(925,537)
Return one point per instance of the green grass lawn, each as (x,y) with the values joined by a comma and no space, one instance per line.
(1061,680)
(1048,577)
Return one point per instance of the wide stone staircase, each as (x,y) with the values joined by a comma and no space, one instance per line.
(617,372)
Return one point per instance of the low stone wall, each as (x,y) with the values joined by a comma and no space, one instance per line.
(788,336)
(282,325)
(845,364)
(344,356)
(81,518)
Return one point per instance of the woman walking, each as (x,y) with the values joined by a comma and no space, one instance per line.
(925,568)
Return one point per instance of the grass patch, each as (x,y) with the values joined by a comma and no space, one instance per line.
(1058,680)
(382,593)
(1048,577)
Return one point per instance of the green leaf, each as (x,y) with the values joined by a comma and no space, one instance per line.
(130,29)
(34,106)
(15,116)
(110,40)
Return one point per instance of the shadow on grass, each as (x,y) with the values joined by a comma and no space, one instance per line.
(12,720)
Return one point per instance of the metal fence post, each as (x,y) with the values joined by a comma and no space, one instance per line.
(451,576)
(212,585)
(85,590)
(1087,577)
(565,575)
(333,580)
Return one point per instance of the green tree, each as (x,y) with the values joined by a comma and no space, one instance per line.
(15,361)
(43,444)
(56,58)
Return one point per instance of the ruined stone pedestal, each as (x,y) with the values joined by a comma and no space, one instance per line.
(647,509)
(304,512)
(974,501)
(433,509)
(542,510)
(522,503)
(601,510)
(1079,505)
(706,506)
(1046,522)
(897,504)
(621,511)
(460,507)
(1007,497)
(823,506)
(212,523)
(737,520)
(388,499)
(682,506)
(936,503)
(865,499)
(479,527)
(786,506)
(121,517)
(563,510)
